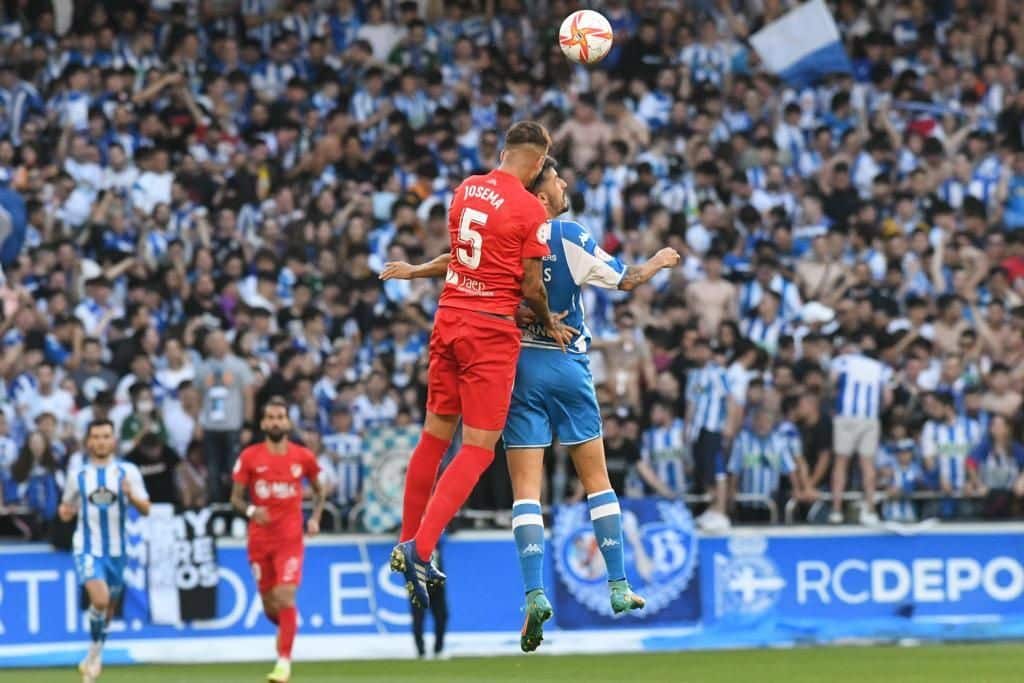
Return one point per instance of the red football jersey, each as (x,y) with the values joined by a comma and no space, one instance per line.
(494,223)
(275,482)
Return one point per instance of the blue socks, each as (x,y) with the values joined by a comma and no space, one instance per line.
(606,517)
(97,625)
(528,529)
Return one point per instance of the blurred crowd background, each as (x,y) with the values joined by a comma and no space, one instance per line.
(210,188)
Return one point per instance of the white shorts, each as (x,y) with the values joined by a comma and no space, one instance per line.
(855,436)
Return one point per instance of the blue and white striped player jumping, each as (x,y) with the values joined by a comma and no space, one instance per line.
(554,394)
(99,493)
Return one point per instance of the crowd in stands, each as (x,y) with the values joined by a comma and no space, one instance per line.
(210,188)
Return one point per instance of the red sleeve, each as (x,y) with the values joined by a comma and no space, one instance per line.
(312,466)
(536,230)
(241,472)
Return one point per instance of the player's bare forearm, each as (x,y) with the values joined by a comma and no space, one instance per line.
(400,270)
(238,501)
(319,499)
(638,275)
(143,506)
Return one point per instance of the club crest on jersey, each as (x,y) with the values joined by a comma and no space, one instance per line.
(660,548)
(102,496)
(296,470)
(544,232)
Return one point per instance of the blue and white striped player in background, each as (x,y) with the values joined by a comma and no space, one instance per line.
(554,394)
(861,389)
(760,456)
(99,493)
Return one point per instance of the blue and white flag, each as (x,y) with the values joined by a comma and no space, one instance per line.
(803,46)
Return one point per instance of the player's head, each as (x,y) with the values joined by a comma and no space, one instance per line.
(526,147)
(275,422)
(550,188)
(99,439)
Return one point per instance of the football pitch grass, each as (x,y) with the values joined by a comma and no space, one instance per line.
(989,663)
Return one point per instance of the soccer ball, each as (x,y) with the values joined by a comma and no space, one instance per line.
(585,36)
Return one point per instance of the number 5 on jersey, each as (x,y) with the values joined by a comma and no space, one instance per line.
(471,242)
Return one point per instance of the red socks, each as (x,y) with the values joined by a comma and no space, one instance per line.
(286,631)
(419,479)
(451,493)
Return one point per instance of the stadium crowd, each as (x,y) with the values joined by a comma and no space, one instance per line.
(211,188)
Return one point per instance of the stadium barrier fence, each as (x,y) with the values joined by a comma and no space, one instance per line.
(750,587)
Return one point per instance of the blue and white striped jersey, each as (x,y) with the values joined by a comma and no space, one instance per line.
(346,467)
(947,445)
(758,462)
(860,382)
(708,391)
(664,449)
(790,435)
(575,260)
(763,333)
(101,518)
(906,480)
(751,292)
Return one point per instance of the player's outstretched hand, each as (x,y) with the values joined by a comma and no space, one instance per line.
(313,526)
(396,270)
(259,515)
(667,257)
(561,333)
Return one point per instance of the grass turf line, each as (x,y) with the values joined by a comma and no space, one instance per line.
(988,663)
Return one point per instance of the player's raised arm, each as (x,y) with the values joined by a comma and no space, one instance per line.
(589,264)
(638,275)
(400,270)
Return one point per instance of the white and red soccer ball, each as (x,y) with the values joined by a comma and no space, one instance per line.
(585,36)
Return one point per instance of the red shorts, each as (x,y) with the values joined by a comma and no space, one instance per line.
(276,565)
(472,369)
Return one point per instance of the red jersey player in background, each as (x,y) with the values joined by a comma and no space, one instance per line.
(272,471)
(499,234)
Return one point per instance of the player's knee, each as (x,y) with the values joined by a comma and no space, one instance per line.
(284,596)
(480,438)
(100,604)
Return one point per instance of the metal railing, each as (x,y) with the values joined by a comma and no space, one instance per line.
(496,516)
(331,511)
(789,511)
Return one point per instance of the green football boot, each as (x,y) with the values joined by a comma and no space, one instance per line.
(623,598)
(538,610)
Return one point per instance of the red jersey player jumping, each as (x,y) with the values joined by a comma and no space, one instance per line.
(499,234)
(273,471)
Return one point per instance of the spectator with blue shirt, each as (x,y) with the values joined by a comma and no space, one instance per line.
(665,461)
(995,471)
(759,458)
(900,477)
(37,482)
(861,391)
(714,412)
(946,442)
